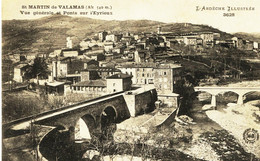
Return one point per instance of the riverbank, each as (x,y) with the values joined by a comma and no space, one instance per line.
(236,120)
(203,138)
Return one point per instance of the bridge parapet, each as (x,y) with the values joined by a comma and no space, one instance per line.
(241,91)
(217,90)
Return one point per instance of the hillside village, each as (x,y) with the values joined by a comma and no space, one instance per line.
(108,53)
(87,68)
(108,62)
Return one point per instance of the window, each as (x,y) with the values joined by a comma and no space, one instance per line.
(114,84)
(164,73)
(143,75)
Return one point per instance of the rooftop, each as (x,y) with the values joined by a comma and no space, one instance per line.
(70,52)
(134,65)
(21,66)
(149,65)
(169,65)
(169,95)
(119,76)
(102,69)
(191,37)
(55,84)
(92,83)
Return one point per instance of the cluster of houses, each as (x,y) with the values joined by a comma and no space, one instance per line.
(110,62)
(207,39)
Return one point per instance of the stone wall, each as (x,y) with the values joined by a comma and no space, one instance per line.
(140,102)
(169,101)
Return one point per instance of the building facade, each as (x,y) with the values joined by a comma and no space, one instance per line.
(162,76)
(119,82)
(165,76)
(19,72)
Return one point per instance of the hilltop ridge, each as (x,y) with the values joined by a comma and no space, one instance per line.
(50,32)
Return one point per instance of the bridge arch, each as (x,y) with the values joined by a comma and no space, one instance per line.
(228,96)
(51,144)
(250,92)
(241,91)
(216,92)
(84,127)
(247,95)
(229,91)
(108,116)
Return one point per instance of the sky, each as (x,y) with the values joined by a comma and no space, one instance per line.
(160,10)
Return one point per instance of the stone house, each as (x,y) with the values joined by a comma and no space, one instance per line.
(98,73)
(69,53)
(165,76)
(119,82)
(19,72)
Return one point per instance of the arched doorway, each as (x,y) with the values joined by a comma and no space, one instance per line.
(84,127)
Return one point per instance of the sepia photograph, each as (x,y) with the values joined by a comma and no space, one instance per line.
(132,80)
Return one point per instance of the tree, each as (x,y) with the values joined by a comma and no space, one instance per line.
(185,88)
(39,68)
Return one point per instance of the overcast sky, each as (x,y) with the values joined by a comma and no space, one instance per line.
(159,10)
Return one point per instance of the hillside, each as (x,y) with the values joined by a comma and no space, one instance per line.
(188,27)
(248,36)
(46,34)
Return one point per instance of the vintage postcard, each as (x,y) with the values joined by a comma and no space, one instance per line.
(130,80)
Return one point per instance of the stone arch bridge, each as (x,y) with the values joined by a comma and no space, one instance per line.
(240,91)
(113,107)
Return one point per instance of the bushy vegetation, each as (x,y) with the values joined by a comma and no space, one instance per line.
(185,88)
(17,106)
(224,61)
(151,145)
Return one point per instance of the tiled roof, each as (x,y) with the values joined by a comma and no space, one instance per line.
(55,84)
(143,65)
(21,66)
(102,69)
(119,76)
(91,83)
(150,65)
(169,65)
(70,52)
